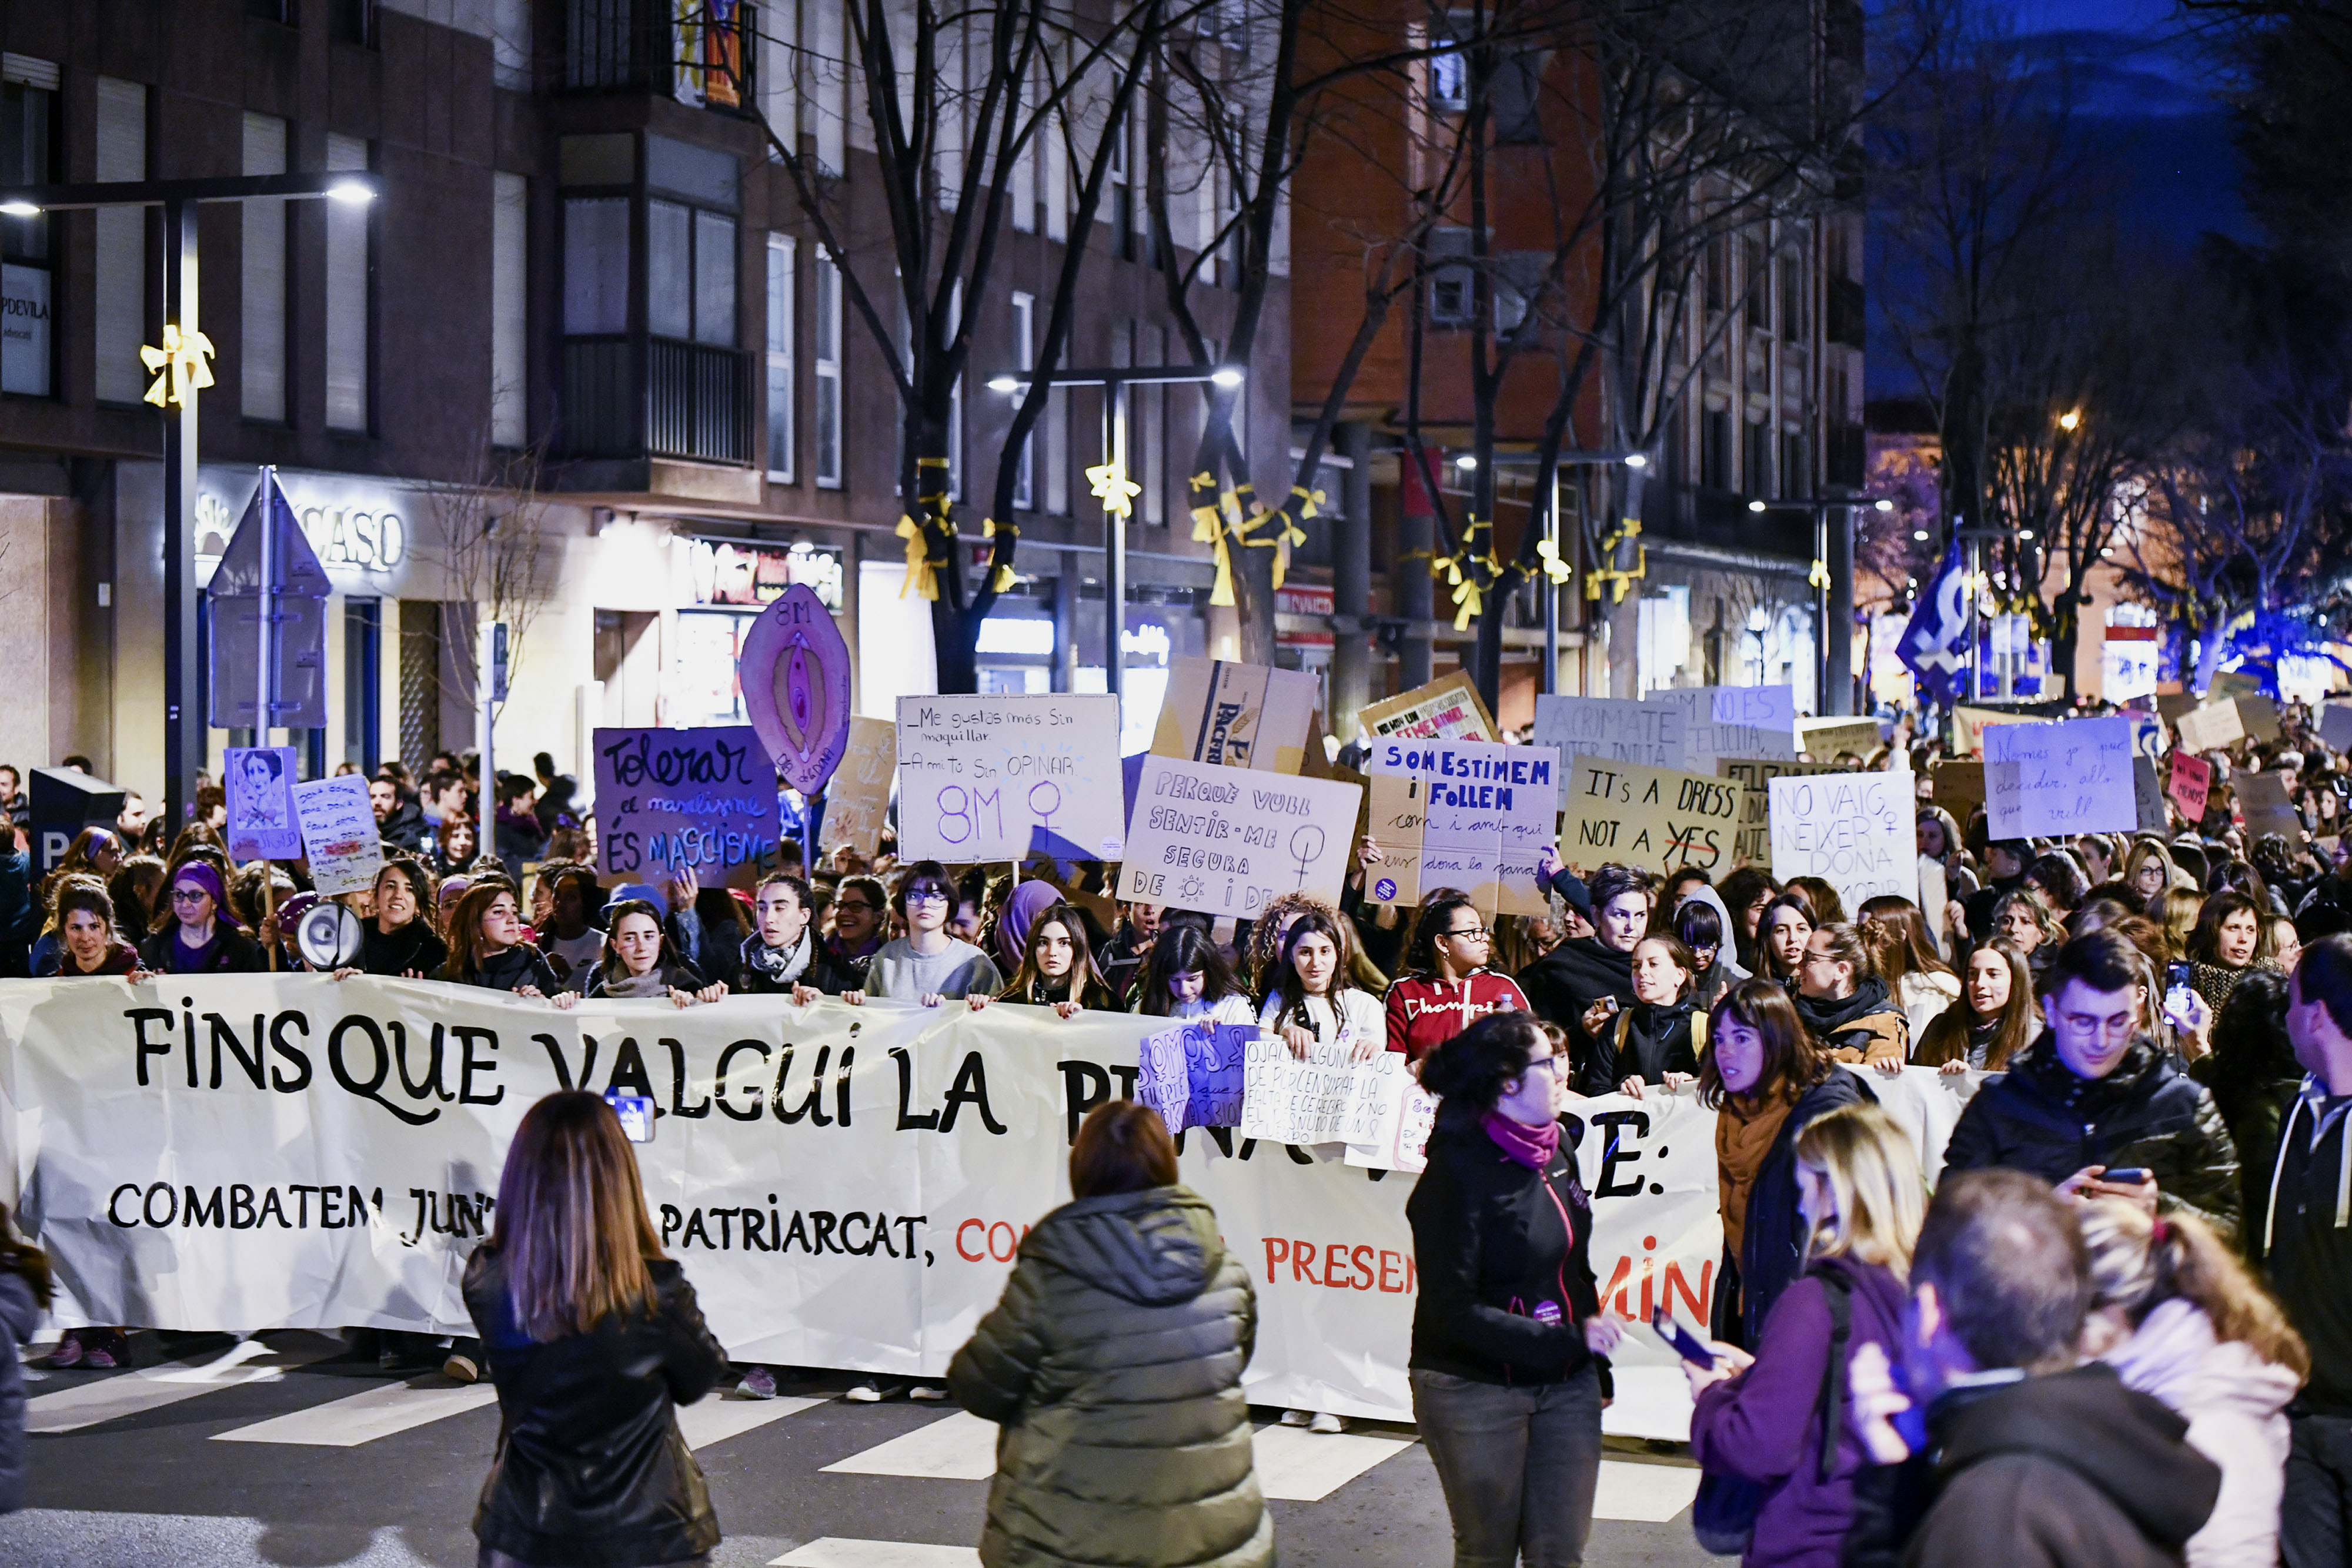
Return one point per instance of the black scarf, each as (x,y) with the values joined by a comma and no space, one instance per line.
(1657,1041)
(781,967)
(1827,1017)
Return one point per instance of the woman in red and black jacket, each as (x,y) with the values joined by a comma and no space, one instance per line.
(1446,986)
(1508,1340)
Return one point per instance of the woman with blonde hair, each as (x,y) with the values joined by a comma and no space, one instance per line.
(1778,1418)
(1917,977)
(2150,870)
(594,1340)
(2180,1318)
(2178,910)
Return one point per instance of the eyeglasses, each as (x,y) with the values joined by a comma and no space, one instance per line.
(926,896)
(1468,934)
(189,896)
(842,906)
(1555,1065)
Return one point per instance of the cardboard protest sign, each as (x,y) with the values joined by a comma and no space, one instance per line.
(2262,801)
(793,673)
(993,778)
(2192,780)
(1192,1073)
(668,799)
(1223,840)
(1827,739)
(338,834)
(1752,845)
(1610,729)
(2051,780)
(260,789)
(2335,726)
(1242,716)
(2170,706)
(2233,684)
(2149,739)
(2147,796)
(1485,813)
(1968,725)
(858,800)
(2258,716)
(1659,818)
(1390,1120)
(2212,727)
(1959,788)
(1395,812)
(1301,1101)
(1447,708)
(1852,830)
(1733,721)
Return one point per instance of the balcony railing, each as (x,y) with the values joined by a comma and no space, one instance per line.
(691,400)
(635,45)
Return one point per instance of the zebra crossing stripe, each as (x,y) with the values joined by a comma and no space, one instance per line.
(842,1551)
(1296,1465)
(364,1417)
(711,1419)
(962,1447)
(133,1393)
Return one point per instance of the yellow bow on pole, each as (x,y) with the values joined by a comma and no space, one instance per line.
(922,572)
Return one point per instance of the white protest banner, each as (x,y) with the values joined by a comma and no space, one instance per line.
(1447,708)
(993,778)
(1852,830)
(1659,818)
(2051,780)
(338,834)
(1758,722)
(858,797)
(1752,844)
(1223,840)
(1485,813)
(261,804)
(334,1173)
(668,799)
(1610,729)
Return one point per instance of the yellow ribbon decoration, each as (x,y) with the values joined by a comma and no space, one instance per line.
(922,573)
(179,365)
(1820,576)
(1468,595)
(1113,488)
(1313,498)
(1554,567)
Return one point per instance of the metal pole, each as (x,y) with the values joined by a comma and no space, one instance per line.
(183,733)
(1551,592)
(264,685)
(1822,616)
(1839,538)
(1975,588)
(1115,541)
(484,701)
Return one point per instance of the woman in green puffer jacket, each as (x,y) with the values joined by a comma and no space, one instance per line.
(1114,1365)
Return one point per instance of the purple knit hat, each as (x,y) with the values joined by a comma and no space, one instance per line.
(201,873)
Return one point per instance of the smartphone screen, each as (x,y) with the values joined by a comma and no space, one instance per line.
(1685,1343)
(636,1113)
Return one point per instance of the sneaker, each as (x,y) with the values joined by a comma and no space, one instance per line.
(111,1350)
(757,1384)
(866,1391)
(68,1351)
(460,1368)
(1296,1417)
(1327,1422)
(927,1391)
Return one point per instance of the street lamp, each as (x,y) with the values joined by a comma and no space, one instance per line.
(181,363)
(1833,581)
(1468,462)
(1111,481)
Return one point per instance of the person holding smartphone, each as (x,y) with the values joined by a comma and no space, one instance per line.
(1766,1418)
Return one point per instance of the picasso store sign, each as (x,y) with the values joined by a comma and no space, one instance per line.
(353,528)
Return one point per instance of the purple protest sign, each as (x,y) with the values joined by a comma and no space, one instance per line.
(795,676)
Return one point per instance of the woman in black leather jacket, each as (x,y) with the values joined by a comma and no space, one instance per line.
(591,1468)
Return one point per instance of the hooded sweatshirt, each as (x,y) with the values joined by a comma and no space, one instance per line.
(2235,1404)
(2069,1470)
(1114,1365)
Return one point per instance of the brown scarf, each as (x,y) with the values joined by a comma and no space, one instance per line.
(1743,1130)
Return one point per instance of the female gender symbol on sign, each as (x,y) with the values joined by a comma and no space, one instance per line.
(1305,845)
(1045,814)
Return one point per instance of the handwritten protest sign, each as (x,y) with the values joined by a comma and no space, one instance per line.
(858,800)
(1395,810)
(1959,788)
(2148,795)
(1485,813)
(1660,819)
(1827,739)
(1732,721)
(1609,729)
(993,778)
(1242,716)
(2210,727)
(1223,840)
(1287,1098)
(2191,781)
(1752,845)
(1852,830)
(2262,801)
(1389,1118)
(1447,708)
(1192,1074)
(2048,780)
(261,824)
(1968,725)
(338,834)
(668,799)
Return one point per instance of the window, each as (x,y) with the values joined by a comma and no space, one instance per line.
(119,324)
(363,680)
(1024,356)
(1715,449)
(352,22)
(1755,459)
(347,296)
(510,311)
(1449,73)
(1122,194)
(828,96)
(780,87)
(827,368)
(596,266)
(1793,313)
(1451,281)
(1793,475)
(780,248)
(262,285)
(1717,266)
(28,94)
(689,274)
(1517,97)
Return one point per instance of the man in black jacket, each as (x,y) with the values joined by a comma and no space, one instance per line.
(2094,1095)
(2005,860)
(399,820)
(2306,1243)
(2037,1462)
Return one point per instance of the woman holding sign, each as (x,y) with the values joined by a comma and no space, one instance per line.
(1657,1039)
(1313,999)
(1057,969)
(202,937)
(486,948)
(638,962)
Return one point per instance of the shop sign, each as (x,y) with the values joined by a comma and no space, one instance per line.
(1305,601)
(735,573)
(365,533)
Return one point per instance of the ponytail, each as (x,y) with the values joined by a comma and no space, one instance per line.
(2138,1264)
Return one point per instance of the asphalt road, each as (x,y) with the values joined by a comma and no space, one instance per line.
(272,1452)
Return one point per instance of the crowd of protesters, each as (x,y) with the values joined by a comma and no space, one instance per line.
(2119,1331)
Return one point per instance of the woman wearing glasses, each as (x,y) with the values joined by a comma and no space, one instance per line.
(1446,986)
(202,937)
(926,965)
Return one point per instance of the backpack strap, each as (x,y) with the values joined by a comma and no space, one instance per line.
(1839,1294)
(1698,1034)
